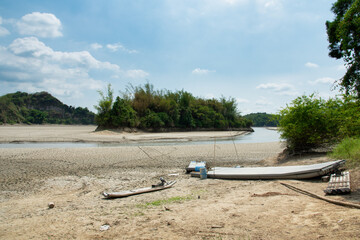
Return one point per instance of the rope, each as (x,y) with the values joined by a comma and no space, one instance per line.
(233,140)
(345,204)
(214,147)
(145,153)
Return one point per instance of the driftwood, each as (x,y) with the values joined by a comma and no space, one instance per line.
(345,204)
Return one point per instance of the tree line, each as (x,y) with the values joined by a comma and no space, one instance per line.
(262,119)
(145,108)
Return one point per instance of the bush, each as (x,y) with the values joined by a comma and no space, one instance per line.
(310,122)
(306,123)
(348,149)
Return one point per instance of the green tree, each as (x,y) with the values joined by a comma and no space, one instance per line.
(344,38)
(122,114)
(36,116)
(151,120)
(262,119)
(144,107)
(103,118)
(349,117)
(309,122)
(186,119)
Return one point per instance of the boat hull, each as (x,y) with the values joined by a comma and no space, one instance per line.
(137,191)
(286,172)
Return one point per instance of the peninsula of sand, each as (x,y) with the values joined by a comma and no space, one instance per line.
(74,179)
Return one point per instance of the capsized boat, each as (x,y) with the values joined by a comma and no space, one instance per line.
(283,172)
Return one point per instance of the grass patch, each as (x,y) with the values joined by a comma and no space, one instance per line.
(161,202)
(348,149)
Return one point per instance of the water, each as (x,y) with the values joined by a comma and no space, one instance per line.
(260,135)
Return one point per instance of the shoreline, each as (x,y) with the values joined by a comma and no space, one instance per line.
(87,134)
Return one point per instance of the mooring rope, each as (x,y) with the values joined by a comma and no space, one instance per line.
(345,204)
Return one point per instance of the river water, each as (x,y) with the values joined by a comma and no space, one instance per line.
(260,135)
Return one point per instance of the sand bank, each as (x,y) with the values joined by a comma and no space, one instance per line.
(74,178)
(64,133)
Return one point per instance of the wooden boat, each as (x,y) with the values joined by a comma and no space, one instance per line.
(285,172)
(139,191)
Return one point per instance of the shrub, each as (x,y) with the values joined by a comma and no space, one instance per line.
(311,122)
(306,124)
(348,149)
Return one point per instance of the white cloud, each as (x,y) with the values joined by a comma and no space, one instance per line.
(325,80)
(311,65)
(271,6)
(233,2)
(200,71)
(40,25)
(3,31)
(118,46)
(136,73)
(31,46)
(96,46)
(278,87)
(30,65)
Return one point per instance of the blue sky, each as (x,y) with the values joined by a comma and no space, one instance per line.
(264,53)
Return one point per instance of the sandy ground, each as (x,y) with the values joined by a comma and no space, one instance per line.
(74,178)
(63,133)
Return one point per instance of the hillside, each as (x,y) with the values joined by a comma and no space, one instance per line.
(262,119)
(40,108)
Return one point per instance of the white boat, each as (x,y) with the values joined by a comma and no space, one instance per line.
(284,172)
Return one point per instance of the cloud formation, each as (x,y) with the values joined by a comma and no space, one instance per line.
(311,65)
(200,71)
(3,31)
(30,65)
(96,46)
(279,88)
(324,80)
(269,5)
(118,46)
(136,73)
(45,25)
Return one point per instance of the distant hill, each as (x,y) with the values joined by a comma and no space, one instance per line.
(40,108)
(262,119)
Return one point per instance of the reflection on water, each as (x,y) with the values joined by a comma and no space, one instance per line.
(259,136)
